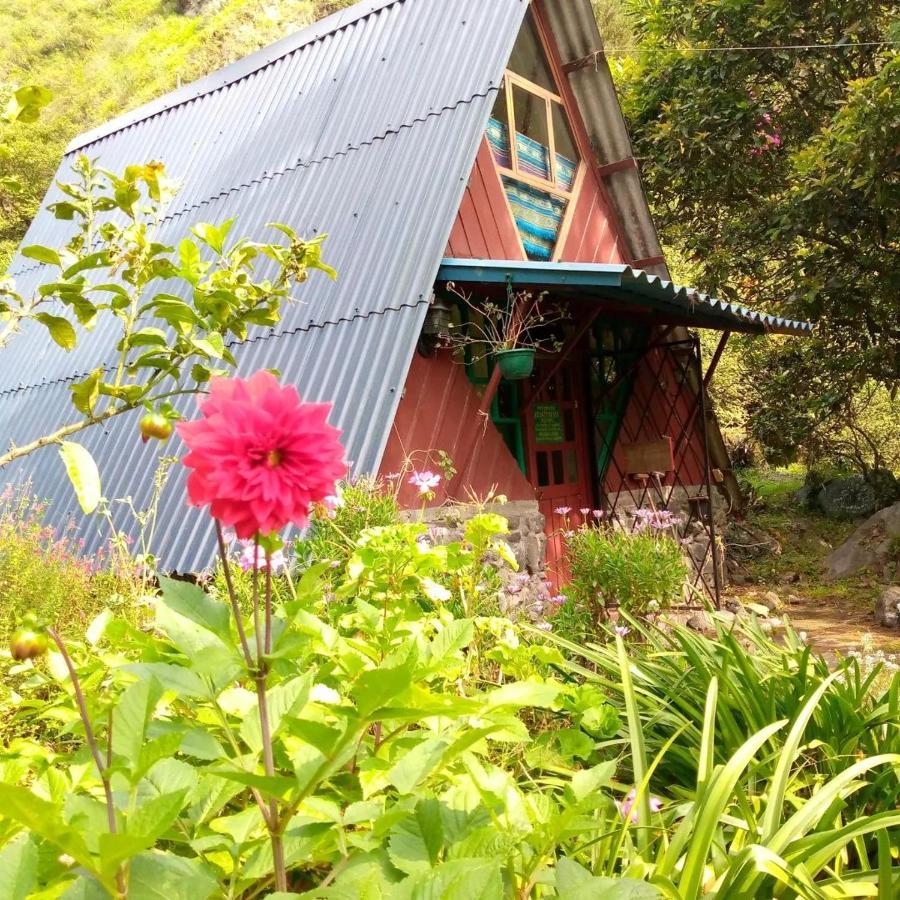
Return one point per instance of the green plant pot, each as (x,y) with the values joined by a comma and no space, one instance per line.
(515,364)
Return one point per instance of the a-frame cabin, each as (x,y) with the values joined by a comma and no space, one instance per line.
(438,142)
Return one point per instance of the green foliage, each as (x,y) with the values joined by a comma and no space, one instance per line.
(765,747)
(128,52)
(177,312)
(335,528)
(43,573)
(641,572)
(773,175)
(419,754)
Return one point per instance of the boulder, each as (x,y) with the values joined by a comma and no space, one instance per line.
(771,601)
(848,498)
(887,608)
(871,546)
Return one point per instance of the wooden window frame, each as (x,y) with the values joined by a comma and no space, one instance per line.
(510,81)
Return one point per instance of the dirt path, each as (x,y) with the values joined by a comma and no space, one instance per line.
(839,628)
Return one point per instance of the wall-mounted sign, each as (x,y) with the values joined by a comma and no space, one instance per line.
(548,424)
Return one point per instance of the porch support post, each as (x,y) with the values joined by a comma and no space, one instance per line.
(704,424)
(714,362)
(561,358)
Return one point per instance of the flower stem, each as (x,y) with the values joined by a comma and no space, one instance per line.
(232,596)
(102,768)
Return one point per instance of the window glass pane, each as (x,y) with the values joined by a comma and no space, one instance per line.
(498,130)
(528,59)
(533,135)
(572,466)
(566,154)
(569,424)
(558,476)
(508,400)
(543,472)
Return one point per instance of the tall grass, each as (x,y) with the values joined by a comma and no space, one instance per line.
(781,776)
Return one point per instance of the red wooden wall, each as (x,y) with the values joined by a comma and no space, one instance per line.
(484,228)
(439,411)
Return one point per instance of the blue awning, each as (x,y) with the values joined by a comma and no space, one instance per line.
(622,285)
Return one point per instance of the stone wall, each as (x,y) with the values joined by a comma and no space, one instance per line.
(526,527)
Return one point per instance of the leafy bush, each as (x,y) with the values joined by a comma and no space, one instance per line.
(42,572)
(338,523)
(641,571)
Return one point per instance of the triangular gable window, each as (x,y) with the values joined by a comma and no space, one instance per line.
(539,168)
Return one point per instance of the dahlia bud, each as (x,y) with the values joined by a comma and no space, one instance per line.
(155,425)
(27,643)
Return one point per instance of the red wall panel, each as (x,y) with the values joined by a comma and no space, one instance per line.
(439,410)
(484,228)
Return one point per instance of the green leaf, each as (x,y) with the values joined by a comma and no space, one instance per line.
(415,765)
(61,330)
(42,254)
(164,876)
(589,781)
(85,394)
(461,879)
(148,337)
(83,473)
(18,868)
(285,699)
(177,679)
(213,236)
(44,820)
(373,688)
(415,844)
(92,261)
(152,818)
(195,604)
(130,718)
(523,693)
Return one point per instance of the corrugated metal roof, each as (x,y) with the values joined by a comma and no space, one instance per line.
(608,281)
(366,126)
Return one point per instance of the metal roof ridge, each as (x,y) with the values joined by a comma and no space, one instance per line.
(233,72)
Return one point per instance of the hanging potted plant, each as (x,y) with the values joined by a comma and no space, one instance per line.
(509,333)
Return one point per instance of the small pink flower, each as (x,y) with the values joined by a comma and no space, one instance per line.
(628,810)
(585,510)
(251,555)
(597,513)
(622,630)
(563,510)
(259,456)
(425,482)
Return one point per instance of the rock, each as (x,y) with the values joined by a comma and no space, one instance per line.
(733,605)
(758,609)
(887,608)
(869,547)
(848,498)
(808,496)
(789,578)
(701,622)
(885,485)
(771,601)
(794,600)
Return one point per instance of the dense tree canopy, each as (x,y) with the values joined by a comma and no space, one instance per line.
(775,173)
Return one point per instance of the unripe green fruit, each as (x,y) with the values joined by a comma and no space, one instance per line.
(26,643)
(155,425)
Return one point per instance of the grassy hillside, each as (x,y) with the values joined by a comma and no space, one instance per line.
(102,57)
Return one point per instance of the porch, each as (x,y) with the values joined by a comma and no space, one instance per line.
(616,420)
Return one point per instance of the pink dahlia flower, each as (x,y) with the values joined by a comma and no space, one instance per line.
(260,456)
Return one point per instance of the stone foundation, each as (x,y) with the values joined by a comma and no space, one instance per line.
(526,528)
